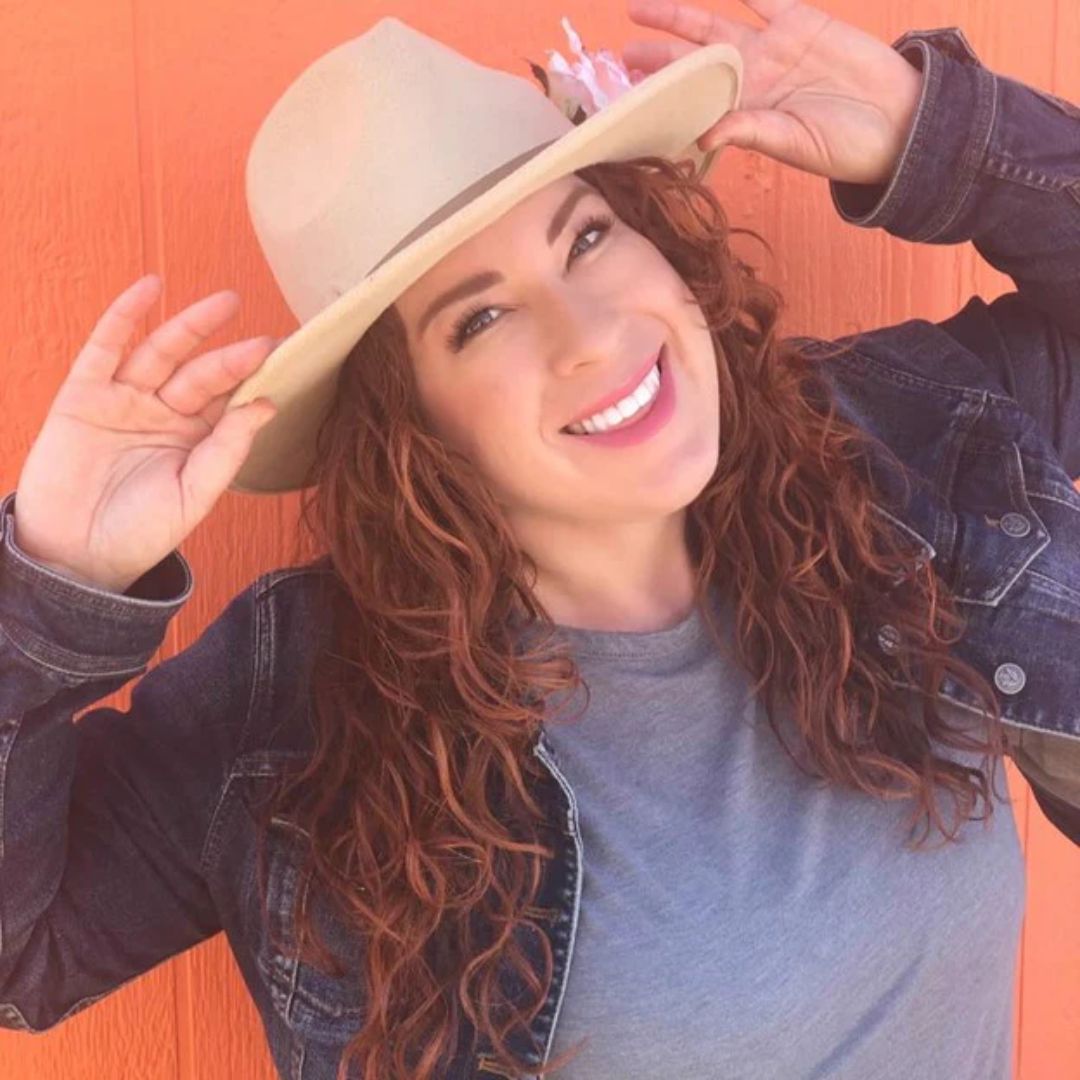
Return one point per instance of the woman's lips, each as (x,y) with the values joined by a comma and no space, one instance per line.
(642,428)
(657,362)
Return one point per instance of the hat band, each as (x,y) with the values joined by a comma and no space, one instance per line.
(462,198)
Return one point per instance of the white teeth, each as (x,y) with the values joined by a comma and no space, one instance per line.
(621,410)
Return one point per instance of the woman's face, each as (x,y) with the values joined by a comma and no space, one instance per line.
(562,314)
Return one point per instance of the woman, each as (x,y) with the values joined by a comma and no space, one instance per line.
(362,771)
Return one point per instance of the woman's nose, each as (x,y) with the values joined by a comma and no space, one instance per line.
(584,334)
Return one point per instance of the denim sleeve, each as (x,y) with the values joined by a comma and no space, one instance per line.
(105,821)
(995,161)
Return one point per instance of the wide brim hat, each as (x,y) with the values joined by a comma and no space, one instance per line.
(386,153)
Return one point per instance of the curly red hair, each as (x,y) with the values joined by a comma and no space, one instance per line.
(417,799)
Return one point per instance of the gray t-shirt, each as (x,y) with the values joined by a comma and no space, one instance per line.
(742,921)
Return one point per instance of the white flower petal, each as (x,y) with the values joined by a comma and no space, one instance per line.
(556,62)
(584,70)
(613,66)
(575,40)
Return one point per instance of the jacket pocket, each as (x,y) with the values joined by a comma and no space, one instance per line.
(997,533)
(313,1003)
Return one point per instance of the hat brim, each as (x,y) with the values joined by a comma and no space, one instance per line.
(662,115)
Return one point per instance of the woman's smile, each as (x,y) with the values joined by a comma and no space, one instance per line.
(647,421)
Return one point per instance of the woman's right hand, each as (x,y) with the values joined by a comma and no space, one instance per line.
(134,453)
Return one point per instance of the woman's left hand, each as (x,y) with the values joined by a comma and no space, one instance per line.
(817,93)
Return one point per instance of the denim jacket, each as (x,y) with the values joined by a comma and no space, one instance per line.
(127,837)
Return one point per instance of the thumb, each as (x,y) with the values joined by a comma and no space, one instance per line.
(215,461)
(740,127)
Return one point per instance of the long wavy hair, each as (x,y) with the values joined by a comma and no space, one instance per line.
(419,801)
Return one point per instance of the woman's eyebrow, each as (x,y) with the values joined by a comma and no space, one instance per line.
(566,208)
(486,278)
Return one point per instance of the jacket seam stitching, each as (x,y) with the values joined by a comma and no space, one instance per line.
(975,149)
(975,394)
(133,663)
(208,856)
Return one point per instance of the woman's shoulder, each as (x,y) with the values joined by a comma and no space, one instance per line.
(291,616)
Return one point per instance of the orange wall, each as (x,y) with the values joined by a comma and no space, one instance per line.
(124,126)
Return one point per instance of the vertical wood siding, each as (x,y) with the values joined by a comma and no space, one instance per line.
(124,125)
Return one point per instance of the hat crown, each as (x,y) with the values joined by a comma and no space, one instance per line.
(388,152)
(392,110)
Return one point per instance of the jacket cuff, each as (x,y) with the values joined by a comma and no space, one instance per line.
(946,143)
(76,628)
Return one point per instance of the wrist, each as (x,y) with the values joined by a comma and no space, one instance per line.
(62,568)
(906,99)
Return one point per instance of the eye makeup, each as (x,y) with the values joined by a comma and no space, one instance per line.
(458,336)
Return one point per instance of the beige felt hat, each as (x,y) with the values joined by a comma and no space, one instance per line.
(389,151)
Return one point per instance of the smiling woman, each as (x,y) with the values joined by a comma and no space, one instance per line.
(448,482)
(575,305)
(564,450)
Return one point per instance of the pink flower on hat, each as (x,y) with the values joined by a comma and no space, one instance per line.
(585,86)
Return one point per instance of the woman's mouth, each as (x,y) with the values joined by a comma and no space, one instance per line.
(646,422)
(641,401)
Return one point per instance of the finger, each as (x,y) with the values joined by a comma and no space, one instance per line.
(763,130)
(104,348)
(650,56)
(215,461)
(691,23)
(214,376)
(154,360)
(769,9)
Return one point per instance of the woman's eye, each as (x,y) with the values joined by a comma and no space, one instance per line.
(598,223)
(460,333)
